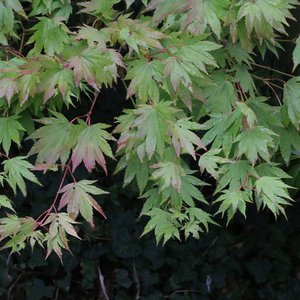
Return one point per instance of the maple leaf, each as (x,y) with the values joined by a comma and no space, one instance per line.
(103,9)
(91,146)
(272,193)
(233,200)
(135,33)
(18,229)
(163,224)
(145,79)
(291,98)
(60,225)
(15,170)
(5,202)
(95,66)
(201,216)
(55,77)
(51,34)
(183,139)
(8,88)
(210,162)
(77,197)
(256,142)
(296,53)
(93,36)
(170,174)
(54,140)
(16,6)
(145,127)
(10,131)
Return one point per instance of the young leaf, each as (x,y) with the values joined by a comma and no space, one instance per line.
(170,174)
(77,197)
(272,193)
(291,98)
(91,146)
(51,34)
(10,130)
(60,225)
(5,202)
(16,170)
(254,142)
(183,139)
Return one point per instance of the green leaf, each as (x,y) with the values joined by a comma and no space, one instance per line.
(210,162)
(60,225)
(91,146)
(296,54)
(170,174)
(51,34)
(10,131)
(255,142)
(272,193)
(5,202)
(54,140)
(183,139)
(291,98)
(163,224)
(16,170)
(77,197)
(233,201)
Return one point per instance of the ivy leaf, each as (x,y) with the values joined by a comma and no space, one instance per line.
(5,202)
(54,140)
(91,146)
(16,169)
(60,225)
(183,139)
(296,53)
(210,162)
(163,224)
(51,34)
(170,174)
(291,98)
(272,193)
(10,131)
(77,197)
(255,142)
(233,200)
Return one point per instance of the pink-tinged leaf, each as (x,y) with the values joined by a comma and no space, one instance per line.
(77,197)
(8,88)
(91,146)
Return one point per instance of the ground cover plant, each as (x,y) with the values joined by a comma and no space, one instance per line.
(204,127)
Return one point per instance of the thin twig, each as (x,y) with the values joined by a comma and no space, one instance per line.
(271,69)
(137,282)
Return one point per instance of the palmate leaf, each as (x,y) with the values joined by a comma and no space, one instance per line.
(60,225)
(8,88)
(291,98)
(296,54)
(144,128)
(272,193)
(54,140)
(6,203)
(233,201)
(164,225)
(136,34)
(77,197)
(145,79)
(210,161)
(255,142)
(51,34)
(10,131)
(16,170)
(91,146)
(169,173)
(183,139)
